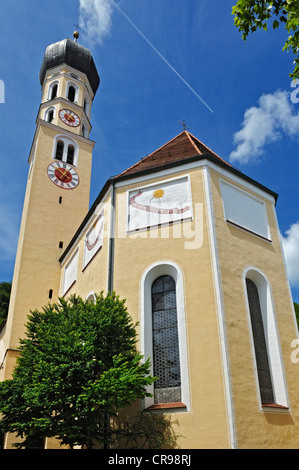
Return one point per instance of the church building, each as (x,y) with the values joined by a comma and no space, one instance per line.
(193,245)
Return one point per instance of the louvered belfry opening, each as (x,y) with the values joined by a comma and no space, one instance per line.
(166,356)
(261,353)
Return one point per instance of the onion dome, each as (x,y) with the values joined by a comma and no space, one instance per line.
(75,55)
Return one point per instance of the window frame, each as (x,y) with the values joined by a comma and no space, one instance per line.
(50,90)
(86,105)
(271,337)
(67,141)
(68,85)
(47,112)
(73,258)
(166,349)
(264,232)
(149,276)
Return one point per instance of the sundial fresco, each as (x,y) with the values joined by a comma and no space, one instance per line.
(94,239)
(159,204)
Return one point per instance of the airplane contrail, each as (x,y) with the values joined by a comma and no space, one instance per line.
(160,55)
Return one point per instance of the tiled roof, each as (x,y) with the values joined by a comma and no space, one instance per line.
(179,149)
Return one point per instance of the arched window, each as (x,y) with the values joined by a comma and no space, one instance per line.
(59,150)
(49,114)
(84,130)
(91,297)
(71,93)
(166,354)
(260,346)
(86,105)
(66,149)
(73,75)
(164,335)
(70,154)
(53,91)
(265,340)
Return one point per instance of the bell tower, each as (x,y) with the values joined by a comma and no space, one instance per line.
(58,185)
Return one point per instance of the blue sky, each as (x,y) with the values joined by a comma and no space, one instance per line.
(160,62)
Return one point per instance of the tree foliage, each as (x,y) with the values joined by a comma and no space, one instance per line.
(250,15)
(5,288)
(145,431)
(78,365)
(296,306)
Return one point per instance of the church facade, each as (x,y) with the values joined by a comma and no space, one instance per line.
(191,243)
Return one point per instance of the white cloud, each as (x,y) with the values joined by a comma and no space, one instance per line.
(290,244)
(263,124)
(95,19)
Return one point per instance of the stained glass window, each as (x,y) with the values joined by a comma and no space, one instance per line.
(166,357)
(261,353)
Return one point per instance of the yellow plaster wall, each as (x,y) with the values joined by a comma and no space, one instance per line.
(206,424)
(94,276)
(238,250)
(44,224)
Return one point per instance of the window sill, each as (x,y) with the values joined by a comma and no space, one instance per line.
(248,231)
(274,405)
(163,406)
(91,259)
(68,289)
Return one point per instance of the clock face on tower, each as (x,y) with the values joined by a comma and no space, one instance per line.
(63,175)
(69,117)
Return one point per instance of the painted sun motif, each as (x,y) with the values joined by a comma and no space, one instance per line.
(158,193)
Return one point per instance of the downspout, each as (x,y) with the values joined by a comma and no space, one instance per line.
(111,238)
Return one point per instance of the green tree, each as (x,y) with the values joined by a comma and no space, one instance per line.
(297,313)
(78,366)
(5,288)
(250,15)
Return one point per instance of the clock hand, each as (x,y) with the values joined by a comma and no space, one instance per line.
(69,117)
(64,173)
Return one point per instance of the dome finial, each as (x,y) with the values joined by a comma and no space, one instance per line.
(76,33)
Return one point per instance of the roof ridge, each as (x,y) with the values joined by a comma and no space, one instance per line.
(157,150)
(191,141)
(198,146)
(212,152)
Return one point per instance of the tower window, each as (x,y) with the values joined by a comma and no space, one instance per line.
(84,131)
(66,150)
(49,114)
(70,154)
(86,106)
(166,356)
(73,75)
(54,91)
(59,150)
(71,93)
(50,293)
